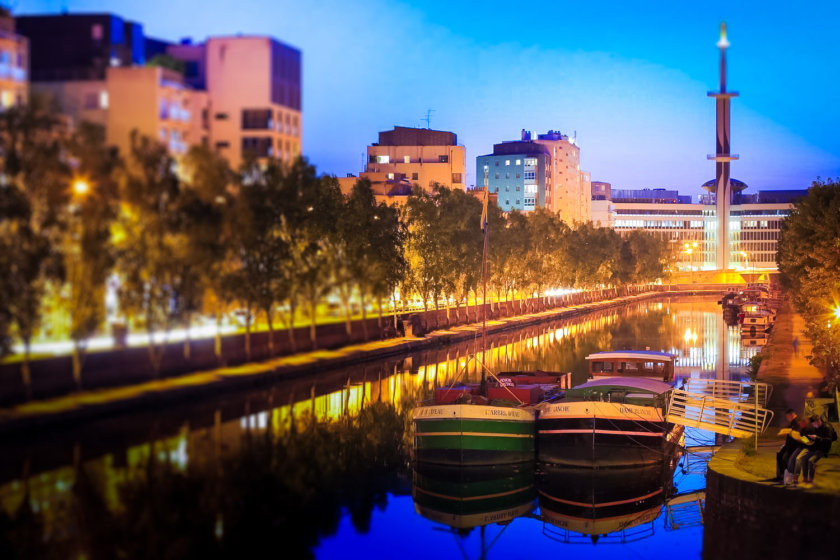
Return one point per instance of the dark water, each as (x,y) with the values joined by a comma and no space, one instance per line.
(320,468)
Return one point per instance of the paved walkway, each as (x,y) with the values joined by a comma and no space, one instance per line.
(794,380)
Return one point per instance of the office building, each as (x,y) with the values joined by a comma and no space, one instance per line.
(420,156)
(690,228)
(568,192)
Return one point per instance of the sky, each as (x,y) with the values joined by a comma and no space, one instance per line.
(628,79)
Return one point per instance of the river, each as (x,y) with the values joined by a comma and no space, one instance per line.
(320,467)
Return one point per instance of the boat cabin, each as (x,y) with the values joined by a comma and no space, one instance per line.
(632,363)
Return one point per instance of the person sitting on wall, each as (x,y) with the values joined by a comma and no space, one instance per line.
(822,436)
(790,445)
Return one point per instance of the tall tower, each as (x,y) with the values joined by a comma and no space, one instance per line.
(722,157)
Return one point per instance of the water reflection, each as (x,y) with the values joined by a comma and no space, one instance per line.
(54,483)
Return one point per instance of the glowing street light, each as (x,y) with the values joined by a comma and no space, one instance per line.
(81,187)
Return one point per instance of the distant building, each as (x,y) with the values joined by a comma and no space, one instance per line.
(393,192)
(541,172)
(691,228)
(155,102)
(241,95)
(420,156)
(14,64)
(80,47)
(517,173)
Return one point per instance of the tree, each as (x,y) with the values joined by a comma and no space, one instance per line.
(809,260)
(148,241)
(89,256)
(35,193)
(203,205)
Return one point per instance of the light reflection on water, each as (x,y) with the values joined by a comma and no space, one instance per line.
(42,468)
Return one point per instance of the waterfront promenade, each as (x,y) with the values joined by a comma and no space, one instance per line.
(749,516)
(91,404)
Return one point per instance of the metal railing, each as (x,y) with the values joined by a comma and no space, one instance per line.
(733,390)
(719,415)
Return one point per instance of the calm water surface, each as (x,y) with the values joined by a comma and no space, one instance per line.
(232,475)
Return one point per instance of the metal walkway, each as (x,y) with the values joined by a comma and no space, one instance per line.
(732,390)
(717,414)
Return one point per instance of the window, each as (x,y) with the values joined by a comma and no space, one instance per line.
(530,175)
(517,201)
(530,161)
(443,159)
(414,176)
(257,147)
(507,188)
(517,187)
(391,176)
(497,175)
(456,178)
(221,116)
(406,159)
(517,175)
(519,162)
(497,163)
(257,119)
(223,144)
(507,162)
(103,99)
(383,159)
(507,175)
(91,100)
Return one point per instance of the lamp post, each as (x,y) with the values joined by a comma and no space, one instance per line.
(80,189)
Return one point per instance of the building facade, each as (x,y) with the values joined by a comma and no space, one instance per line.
(517,173)
(14,64)
(420,156)
(241,95)
(568,191)
(690,228)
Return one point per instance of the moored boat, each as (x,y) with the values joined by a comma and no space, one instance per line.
(632,363)
(612,422)
(465,425)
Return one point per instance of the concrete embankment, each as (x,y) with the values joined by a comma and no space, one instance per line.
(749,516)
(94,403)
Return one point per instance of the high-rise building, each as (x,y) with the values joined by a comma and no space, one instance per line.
(555,180)
(420,156)
(240,95)
(14,64)
(517,173)
(254,89)
(568,193)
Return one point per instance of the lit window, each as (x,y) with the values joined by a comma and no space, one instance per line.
(103,99)
(519,162)
(406,159)
(7,99)
(507,162)
(443,159)
(390,175)
(383,159)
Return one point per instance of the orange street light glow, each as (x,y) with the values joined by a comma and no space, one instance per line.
(81,187)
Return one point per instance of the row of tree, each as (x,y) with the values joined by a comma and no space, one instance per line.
(809,259)
(192,236)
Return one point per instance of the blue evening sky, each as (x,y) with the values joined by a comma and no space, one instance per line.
(630,78)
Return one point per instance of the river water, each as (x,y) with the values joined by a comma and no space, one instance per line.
(320,467)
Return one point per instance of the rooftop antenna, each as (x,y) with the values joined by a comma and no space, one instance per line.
(428,118)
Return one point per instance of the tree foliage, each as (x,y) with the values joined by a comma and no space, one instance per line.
(809,260)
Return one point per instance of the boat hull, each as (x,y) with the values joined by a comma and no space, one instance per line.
(605,435)
(463,434)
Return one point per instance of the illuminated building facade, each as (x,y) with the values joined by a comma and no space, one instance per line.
(14,64)
(517,172)
(568,190)
(691,227)
(420,156)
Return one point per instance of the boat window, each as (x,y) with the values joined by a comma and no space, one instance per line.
(601,367)
(630,366)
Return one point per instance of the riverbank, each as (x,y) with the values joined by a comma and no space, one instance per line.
(90,404)
(749,516)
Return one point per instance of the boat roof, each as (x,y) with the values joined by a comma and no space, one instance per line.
(632,355)
(643,383)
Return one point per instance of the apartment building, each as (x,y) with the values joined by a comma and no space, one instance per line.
(568,192)
(420,156)
(517,173)
(14,64)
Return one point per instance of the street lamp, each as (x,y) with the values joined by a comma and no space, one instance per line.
(80,187)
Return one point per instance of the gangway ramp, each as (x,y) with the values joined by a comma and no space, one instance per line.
(732,390)
(685,510)
(717,414)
